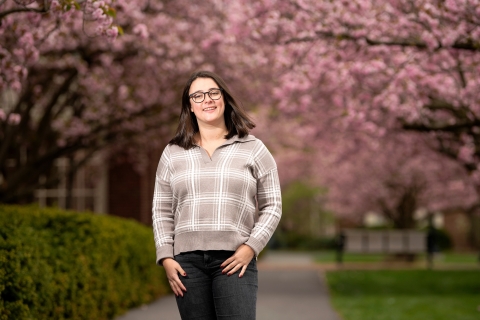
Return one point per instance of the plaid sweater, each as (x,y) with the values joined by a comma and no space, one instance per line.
(203,203)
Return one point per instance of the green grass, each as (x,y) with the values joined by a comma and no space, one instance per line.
(469,258)
(330,256)
(453,257)
(406,294)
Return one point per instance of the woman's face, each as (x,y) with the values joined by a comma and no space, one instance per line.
(209,111)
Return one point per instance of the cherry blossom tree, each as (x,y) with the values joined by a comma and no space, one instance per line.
(26,24)
(327,81)
(382,66)
(81,94)
(395,176)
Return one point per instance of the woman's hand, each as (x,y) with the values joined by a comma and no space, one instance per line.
(240,259)
(172,269)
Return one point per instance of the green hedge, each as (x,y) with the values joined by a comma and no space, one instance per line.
(65,265)
(295,241)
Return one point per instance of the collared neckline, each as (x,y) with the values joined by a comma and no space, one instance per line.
(232,140)
(235,138)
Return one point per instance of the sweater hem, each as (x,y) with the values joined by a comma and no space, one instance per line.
(208,240)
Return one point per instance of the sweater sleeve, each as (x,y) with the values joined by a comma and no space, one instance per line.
(269,199)
(162,209)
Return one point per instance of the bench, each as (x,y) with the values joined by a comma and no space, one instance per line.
(398,242)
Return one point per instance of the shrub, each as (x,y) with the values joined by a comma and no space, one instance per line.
(443,240)
(64,265)
(296,241)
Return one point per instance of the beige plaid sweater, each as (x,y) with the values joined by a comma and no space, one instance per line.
(203,203)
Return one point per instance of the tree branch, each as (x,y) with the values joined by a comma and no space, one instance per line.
(468,45)
(441,127)
(461,74)
(11,132)
(15,10)
(386,210)
(45,122)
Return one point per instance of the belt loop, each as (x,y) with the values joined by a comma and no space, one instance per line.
(206,258)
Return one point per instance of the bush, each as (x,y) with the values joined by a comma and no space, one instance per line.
(443,240)
(296,241)
(64,265)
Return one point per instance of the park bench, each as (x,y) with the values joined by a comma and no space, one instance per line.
(393,242)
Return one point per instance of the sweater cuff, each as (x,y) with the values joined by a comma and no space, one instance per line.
(164,252)
(256,245)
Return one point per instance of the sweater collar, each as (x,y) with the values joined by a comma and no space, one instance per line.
(235,138)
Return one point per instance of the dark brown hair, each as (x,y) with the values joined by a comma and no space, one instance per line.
(236,119)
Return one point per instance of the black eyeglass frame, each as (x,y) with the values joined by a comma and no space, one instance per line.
(204,93)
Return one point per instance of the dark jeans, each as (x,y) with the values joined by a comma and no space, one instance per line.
(212,295)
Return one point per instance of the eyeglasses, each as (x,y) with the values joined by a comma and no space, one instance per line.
(199,96)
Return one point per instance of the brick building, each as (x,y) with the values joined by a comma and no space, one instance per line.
(106,187)
(130,192)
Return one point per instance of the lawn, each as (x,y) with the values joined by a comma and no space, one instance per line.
(330,256)
(406,294)
(470,259)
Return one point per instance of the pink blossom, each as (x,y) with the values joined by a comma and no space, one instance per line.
(123,92)
(98,14)
(112,33)
(55,4)
(98,4)
(14,118)
(466,154)
(141,30)
(16,86)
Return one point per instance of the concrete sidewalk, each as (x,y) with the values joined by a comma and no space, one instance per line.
(290,287)
(292,295)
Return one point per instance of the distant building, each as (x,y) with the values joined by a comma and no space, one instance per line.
(106,186)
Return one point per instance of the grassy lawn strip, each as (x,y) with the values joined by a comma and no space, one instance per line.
(330,256)
(406,294)
(470,258)
(461,257)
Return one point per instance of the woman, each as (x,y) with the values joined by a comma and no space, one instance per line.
(209,181)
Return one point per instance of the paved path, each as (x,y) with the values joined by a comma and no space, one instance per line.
(291,287)
(293,295)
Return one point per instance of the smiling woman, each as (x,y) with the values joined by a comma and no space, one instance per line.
(209,181)
(236,120)
(208,111)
